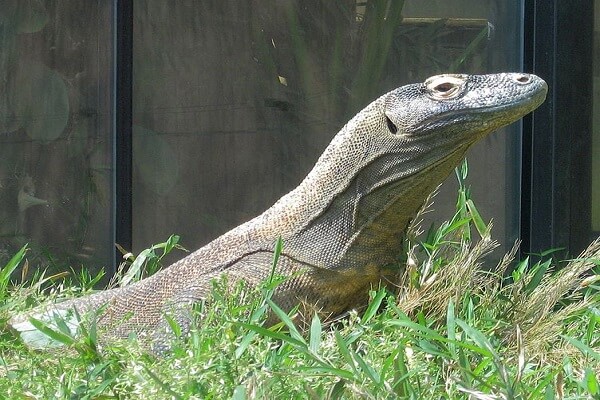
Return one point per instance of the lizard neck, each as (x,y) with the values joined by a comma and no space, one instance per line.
(331,176)
(365,223)
(355,205)
(304,208)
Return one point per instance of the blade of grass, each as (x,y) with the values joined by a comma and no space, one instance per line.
(479,338)
(374,305)
(345,351)
(401,385)
(162,384)
(451,329)
(274,335)
(51,333)
(584,348)
(480,225)
(9,268)
(368,370)
(320,370)
(315,334)
(287,321)
(540,272)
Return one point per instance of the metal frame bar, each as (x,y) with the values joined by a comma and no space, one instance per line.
(123,125)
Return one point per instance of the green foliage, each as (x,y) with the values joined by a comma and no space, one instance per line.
(455,331)
(8,269)
(147,263)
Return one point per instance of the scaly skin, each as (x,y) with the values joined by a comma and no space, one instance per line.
(344,224)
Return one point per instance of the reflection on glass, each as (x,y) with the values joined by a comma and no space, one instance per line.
(234,102)
(55,132)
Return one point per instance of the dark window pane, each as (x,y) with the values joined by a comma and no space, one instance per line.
(55,131)
(596,124)
(235,100)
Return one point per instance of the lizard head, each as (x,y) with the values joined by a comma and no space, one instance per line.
(377,172)
(453,111)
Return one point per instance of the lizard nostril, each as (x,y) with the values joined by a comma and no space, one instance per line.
(523,78)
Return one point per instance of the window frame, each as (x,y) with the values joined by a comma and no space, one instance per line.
(556,158)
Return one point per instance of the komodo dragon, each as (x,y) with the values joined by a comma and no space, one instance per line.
(344,223)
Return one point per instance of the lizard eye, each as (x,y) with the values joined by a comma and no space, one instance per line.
(444,87)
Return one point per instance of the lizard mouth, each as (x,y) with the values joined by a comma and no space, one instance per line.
(483,117)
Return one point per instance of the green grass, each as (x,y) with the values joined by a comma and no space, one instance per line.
(527,330)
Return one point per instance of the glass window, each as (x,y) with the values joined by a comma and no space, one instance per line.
(235,100)
(596,125)
(478,37)
(55,132)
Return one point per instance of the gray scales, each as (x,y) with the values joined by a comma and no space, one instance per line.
(343,226)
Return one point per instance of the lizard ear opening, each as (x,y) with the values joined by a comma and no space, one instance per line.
(393,128)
